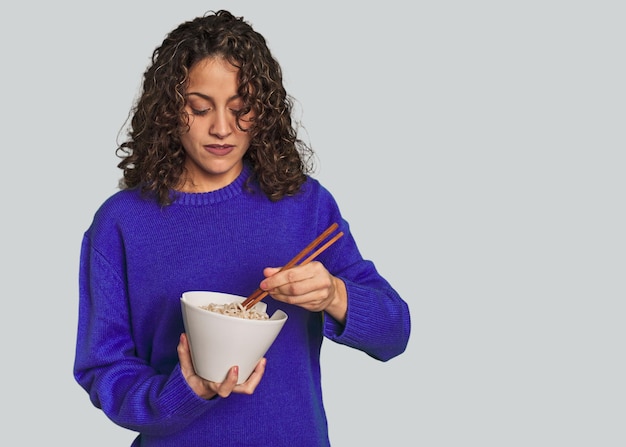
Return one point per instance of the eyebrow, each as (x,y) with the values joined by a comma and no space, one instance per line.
(208,98)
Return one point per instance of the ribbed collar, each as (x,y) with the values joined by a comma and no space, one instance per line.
(209,198)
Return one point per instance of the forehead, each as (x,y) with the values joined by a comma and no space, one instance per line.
(213,71)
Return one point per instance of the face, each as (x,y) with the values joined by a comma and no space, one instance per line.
(214,145)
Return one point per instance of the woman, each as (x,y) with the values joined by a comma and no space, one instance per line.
(217,195)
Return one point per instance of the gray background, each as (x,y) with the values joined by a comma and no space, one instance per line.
(476,148)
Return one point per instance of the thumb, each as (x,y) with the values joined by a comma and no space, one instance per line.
(184,357)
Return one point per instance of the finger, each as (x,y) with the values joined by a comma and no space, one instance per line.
(228,385)
(270,271)
(304,287)
(286,277)
(253,381)
(258,372)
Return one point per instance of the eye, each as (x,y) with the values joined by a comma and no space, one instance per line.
(199,112)
(235,106)
(198,106)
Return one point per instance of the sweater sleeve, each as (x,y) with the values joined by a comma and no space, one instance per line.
(377,322)
(378,319)
(129,391)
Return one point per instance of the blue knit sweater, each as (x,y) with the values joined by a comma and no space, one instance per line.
(138,258)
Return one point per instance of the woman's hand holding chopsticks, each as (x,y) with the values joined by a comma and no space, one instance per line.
(310,286)
(306,283)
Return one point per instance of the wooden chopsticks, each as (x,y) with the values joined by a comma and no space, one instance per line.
(259,293)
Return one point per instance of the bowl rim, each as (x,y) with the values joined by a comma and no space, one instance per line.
(278,317)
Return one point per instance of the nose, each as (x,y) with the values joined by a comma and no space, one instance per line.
(221,125)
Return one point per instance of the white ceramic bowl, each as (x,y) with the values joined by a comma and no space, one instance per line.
(219,342)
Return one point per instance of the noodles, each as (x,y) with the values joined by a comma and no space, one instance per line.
(236,310)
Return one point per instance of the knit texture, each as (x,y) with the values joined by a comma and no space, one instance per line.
(137,259)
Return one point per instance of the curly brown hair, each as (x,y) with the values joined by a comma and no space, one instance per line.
(153,157)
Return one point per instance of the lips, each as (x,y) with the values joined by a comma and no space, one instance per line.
(219,149)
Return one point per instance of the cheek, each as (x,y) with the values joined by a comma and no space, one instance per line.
(192,132)
(244,137)
(185,141)
(189,138)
